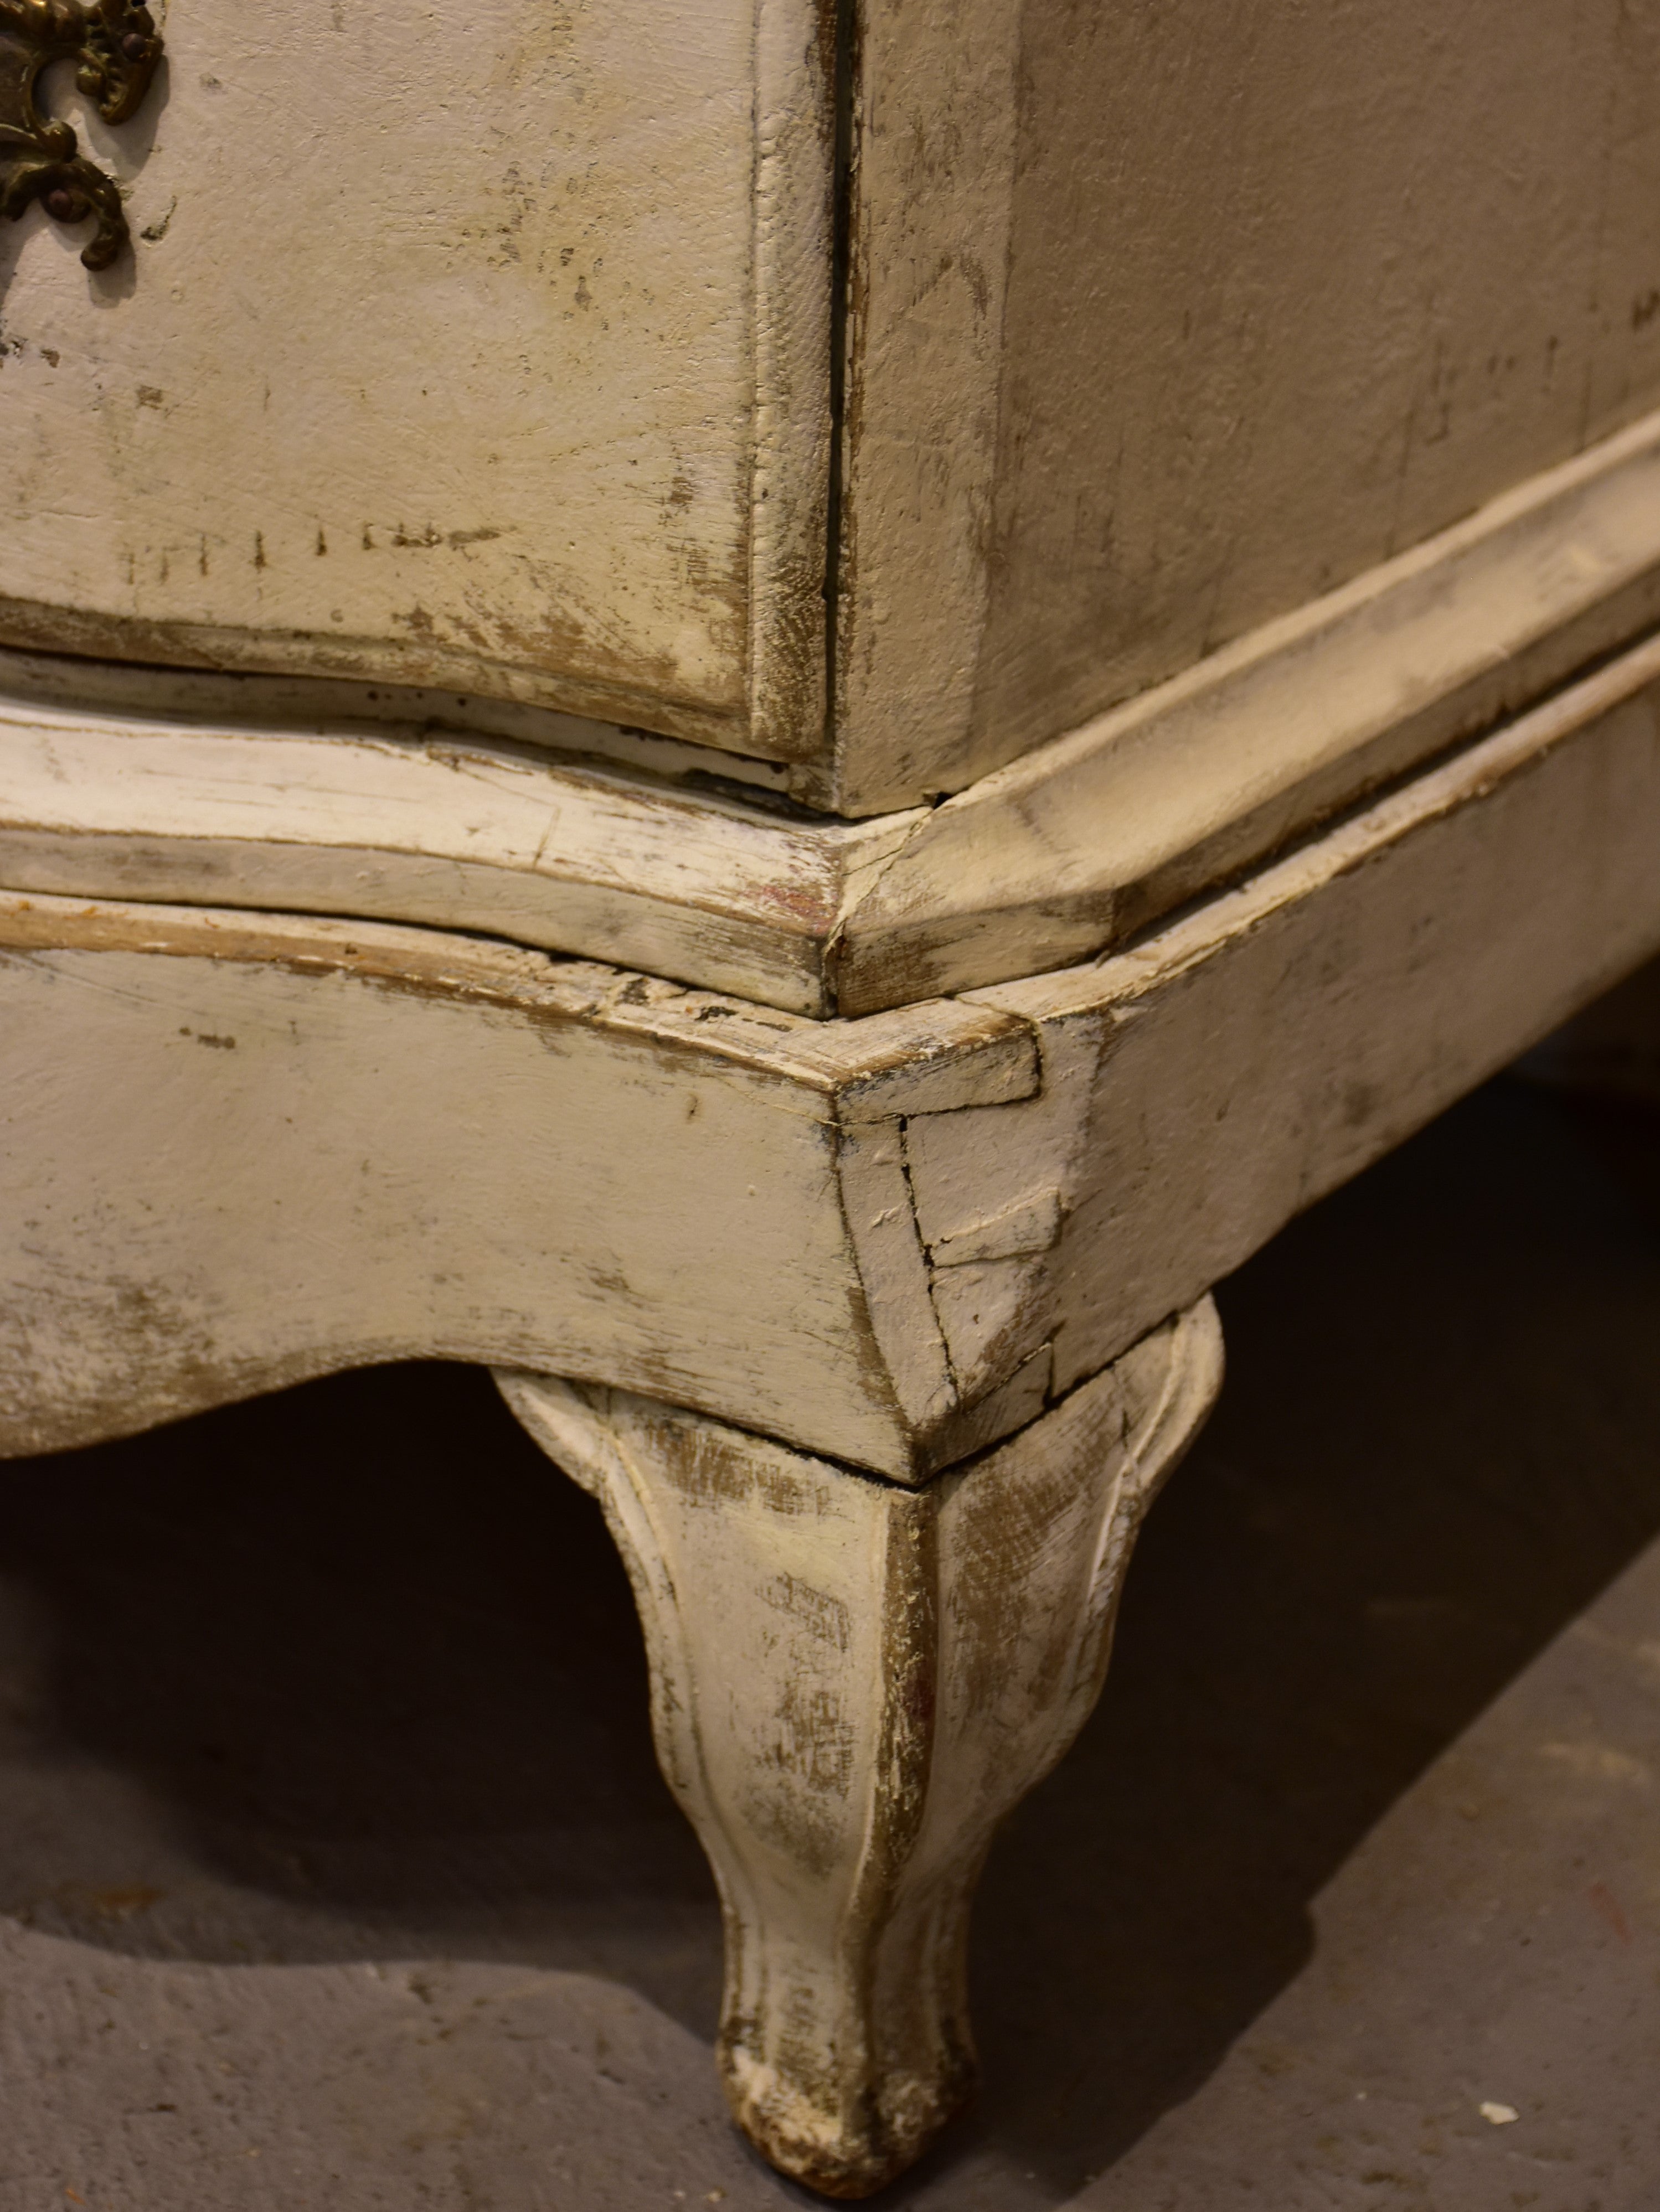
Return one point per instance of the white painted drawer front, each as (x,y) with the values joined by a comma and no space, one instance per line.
(436,360)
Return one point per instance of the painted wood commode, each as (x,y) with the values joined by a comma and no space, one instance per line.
(783,716)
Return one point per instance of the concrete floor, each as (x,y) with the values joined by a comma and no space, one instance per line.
(335,1870)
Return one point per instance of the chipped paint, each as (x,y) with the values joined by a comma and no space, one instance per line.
(845,1785)
(530,454)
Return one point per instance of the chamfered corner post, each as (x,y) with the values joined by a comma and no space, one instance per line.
(851,1683)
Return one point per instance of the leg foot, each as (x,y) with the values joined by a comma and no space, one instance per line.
(852,1684)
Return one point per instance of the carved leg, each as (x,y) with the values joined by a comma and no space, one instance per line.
(852,1684)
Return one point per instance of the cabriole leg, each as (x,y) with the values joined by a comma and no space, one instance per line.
(852,1684)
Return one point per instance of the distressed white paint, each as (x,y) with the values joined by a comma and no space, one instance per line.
(491,349)
(1087,840)
(851,1685)
(793,250)
(934,138)
(459,344)
(422,1142)
(1167,320)
(428,1144)
(241,1149)
(413,825)
(241,697)
(1044,862)
(1280,1038)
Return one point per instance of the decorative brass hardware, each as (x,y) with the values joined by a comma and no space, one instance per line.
(117,46)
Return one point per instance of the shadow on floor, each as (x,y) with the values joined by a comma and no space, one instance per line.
(376,1668)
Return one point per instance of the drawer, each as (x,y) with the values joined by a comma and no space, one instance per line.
(439,360)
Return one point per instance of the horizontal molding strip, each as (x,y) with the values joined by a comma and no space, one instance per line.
(454,831)
(890,1241)
(1081,844)
(1051,860)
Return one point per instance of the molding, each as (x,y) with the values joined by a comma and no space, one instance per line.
(890,1241)
(41,627)
(1079,845)
(633,859)
(458,832)
(244,1148)
(202,698)
(1271,1043)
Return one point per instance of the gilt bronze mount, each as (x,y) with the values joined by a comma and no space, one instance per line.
(117,45)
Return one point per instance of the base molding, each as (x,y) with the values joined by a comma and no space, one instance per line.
(561,834)
(252,1147)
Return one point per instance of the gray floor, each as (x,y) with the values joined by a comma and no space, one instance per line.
(335,1871)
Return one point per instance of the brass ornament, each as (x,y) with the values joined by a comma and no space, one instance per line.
(117,46)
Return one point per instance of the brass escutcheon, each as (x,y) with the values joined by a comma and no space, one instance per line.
(117,46)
